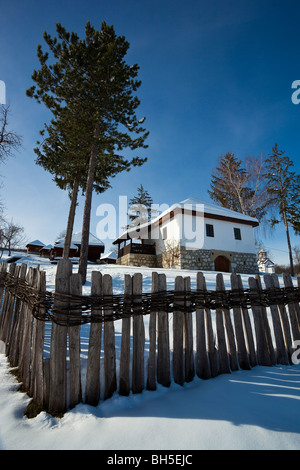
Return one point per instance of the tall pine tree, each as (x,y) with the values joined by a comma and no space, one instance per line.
(90,81)
(284,189)
(140,210)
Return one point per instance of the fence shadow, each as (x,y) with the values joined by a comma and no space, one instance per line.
(264,397)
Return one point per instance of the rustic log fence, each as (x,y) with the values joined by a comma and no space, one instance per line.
(189,332)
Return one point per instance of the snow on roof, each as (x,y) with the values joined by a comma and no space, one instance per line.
(198,205)
(36,242)
(76,238)
(61,243)
(111,255)
(47,247)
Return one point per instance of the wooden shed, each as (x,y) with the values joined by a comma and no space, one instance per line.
(34,247)
(95,249)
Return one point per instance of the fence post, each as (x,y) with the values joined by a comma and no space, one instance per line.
(92,388)
(229,330)
(58,345)
(74,344)
(243,357)
(124,381)
(248,328)
(7,309)
(151,379)
(27,338)
(262,350)
(38,331)
(223,355)
(138,340)
(202,362)
(211,344)
(3,274)
(266,324)
(163,345)
(188,337)
(109,343)
(14,342)
(178,318)
(294,309)
(280,329)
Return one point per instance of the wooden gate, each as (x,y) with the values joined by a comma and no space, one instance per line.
(222,264)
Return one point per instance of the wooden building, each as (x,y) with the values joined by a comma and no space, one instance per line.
(95,248)
(34,247)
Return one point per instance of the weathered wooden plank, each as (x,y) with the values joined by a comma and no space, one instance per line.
(109,343)
(223,354)
(38,334)
(282,356)
(243,358)
(231,347)
(293,309)
(151,376)
(266,325)
(188,337)
(27,338)
(138,347)
(74,345)
(3,274)
(202,362)
(92,389)
(262,350)
(178,319)
(163,344)
(14,340)
(248,328)
(211,341)
(286,328)
(58,345)
(124,380)
(8,308)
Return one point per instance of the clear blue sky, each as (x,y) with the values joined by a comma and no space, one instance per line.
(216,78)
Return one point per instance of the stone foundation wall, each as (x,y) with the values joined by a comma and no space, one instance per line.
(199,260)
(132,259)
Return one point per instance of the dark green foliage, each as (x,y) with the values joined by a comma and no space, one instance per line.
(140,210)
(284,190)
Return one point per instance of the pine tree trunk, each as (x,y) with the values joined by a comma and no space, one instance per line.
(87,211)
(71,218)
(289,244)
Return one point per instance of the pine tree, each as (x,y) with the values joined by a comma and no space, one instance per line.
(90,82)
(284,189)
(140,210)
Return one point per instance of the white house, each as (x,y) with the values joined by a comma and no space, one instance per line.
(192,234)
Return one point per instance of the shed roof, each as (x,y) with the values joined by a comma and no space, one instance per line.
(36,243)
(76,239)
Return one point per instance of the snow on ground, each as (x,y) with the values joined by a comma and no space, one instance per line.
(257,409)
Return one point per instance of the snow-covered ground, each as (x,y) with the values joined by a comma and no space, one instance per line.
(257,409)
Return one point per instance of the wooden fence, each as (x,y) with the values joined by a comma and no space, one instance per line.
(180,344)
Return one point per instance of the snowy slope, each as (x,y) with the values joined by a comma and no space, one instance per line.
(257,409)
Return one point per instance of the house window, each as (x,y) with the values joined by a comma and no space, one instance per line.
(209,230)
(165,233)
(237,233)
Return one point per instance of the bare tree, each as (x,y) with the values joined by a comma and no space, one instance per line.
(10,141)
(12,235)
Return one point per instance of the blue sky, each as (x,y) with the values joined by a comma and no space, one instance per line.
(216,78)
